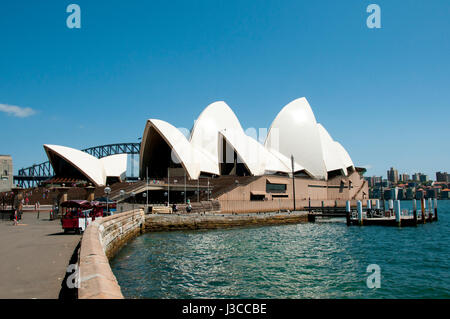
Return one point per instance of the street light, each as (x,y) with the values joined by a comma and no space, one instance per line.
(145,196)
(122,195)
(146,189)
(132,195)
(107,192)
(184,187)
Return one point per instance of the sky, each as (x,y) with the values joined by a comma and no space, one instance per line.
(384,93)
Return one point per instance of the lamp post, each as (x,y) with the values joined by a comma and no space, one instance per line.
(132,195)
(293,178)
(107,192)
(168,187)
(122,195)
(175,181)
(185,187)
(146,192)
(145,196)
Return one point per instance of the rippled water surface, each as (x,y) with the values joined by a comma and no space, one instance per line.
(321,260)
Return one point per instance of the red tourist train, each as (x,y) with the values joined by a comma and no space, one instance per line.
(78,214)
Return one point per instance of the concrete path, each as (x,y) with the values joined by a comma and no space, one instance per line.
(34,256)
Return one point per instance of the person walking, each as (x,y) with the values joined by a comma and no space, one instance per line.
(38,206)
(15,218)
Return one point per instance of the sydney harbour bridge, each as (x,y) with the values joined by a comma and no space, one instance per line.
(31,176)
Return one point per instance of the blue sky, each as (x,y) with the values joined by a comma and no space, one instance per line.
(383,93)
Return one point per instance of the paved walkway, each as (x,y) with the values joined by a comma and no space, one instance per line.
(34,257)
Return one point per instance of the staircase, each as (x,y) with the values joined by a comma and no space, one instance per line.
(359,190)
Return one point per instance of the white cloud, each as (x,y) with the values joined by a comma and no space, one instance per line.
(17,111)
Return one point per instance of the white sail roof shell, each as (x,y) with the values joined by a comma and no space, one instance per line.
(332,155)
(294,132)
(255,156)
(87,164)
(115,165)
(288,163)
(215,117)
(191,158)
(344,155)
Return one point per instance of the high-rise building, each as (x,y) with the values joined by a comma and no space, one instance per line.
(373,180)
(419,177)
(404,177)
(392,175)
(401,194)
(6,173)
(431,193)
(442,177)
(391,193)
(410,193)
(375,193)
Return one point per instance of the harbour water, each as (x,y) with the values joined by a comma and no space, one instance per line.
(321,260)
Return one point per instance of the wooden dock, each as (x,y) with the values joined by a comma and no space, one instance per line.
(393,216)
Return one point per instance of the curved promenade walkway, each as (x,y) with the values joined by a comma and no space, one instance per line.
(34,257)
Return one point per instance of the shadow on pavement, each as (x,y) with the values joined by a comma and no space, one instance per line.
(67,293)
(62,233)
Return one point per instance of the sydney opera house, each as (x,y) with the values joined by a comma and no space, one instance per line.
(218,146)
(298,159)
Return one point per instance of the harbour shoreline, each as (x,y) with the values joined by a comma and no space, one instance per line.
(104,238)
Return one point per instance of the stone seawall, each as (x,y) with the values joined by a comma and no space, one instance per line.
(215,221)
(104,237)
(101,240)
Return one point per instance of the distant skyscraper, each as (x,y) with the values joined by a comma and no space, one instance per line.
(404,177)
(442,177)
(377,180)
(419,177)
(410,193)
(392,175)
(373,181)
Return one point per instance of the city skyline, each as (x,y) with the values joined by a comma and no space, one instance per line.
(415,176)
(129,63)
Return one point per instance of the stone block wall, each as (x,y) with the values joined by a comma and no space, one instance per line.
(216,221)
(101,240)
